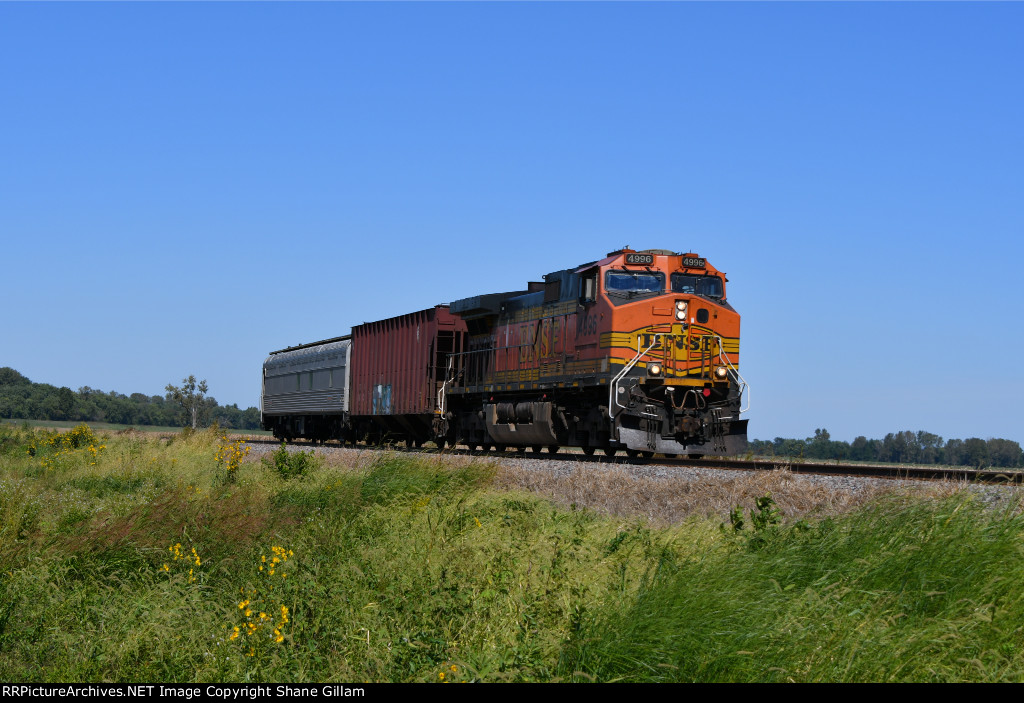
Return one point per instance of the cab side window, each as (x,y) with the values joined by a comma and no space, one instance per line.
(588,287)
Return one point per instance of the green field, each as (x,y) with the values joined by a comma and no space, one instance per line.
(140,558)
(113,427)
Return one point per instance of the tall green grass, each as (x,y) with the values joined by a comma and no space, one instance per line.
(898,592)
(144,562)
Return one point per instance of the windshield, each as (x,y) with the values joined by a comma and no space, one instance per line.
(629,285)
(708,286)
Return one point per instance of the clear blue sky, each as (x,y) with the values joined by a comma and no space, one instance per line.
(186,187)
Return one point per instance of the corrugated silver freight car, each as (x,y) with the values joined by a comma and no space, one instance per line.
(306,390)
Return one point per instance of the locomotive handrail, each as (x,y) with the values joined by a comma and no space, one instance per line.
(440,393)
(744,386)
(612,393)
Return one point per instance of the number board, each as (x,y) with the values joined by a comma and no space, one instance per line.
(694,262)
(640,259)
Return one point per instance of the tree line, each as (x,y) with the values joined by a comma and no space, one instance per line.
(23,399)
(897,447)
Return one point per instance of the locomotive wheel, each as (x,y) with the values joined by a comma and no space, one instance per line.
(472,447)
(499,447)
(486,447)
(410,443)
(646,455)
(553,449)
(609,451)
(588,450)
(536,448)
(439,443)
(521,450)
(632,453)
(694,456)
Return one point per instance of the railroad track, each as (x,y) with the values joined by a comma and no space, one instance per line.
(890,471)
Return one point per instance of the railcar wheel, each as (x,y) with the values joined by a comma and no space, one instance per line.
(499,447)
(609,451)
(646,455)
(472,447)
(588,450)
(521,450)
(632,453)
(486,447)
(439,443)
(694,456)
(536,448)
(553,449)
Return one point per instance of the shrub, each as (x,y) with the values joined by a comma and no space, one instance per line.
(290,464)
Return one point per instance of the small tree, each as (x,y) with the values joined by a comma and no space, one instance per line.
(190,397)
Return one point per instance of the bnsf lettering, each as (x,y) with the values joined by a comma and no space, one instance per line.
(681,343)
(550,338)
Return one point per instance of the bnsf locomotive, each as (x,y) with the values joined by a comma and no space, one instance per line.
(638,351)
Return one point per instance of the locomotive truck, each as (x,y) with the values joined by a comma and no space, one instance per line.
(638,351)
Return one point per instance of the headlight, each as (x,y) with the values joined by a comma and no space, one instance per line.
(721,372)
(681,310)
(654,370)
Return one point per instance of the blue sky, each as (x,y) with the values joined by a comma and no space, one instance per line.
(185,187)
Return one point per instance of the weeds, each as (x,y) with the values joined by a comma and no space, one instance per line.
(229,457)
(896,592)
(407,569)
(291,464)
(263,616)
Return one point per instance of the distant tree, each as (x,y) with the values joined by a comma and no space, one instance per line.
(975,452)
(954,452)
(821,446)
(191,398)
(251,418)
(789,447)
(863,450)
(65,404)
(931,447)
(901,447)
(1004,452)
(10,377)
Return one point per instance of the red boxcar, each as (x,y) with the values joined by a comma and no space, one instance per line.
(398,367)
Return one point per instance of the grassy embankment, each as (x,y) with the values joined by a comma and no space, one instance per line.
(112,427)
(136,559)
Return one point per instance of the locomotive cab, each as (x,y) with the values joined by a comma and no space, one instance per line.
(675,344)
